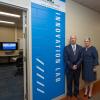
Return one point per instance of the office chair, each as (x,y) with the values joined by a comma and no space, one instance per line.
(19,64)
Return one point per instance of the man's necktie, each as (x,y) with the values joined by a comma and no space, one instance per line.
(74,49)
(86,49)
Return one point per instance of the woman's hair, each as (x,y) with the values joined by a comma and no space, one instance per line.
(89,39)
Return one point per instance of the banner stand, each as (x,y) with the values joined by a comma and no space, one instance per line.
(47,44)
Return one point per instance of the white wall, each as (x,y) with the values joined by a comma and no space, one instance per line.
(21,3)
(7,34)
(10,34)
(83,22)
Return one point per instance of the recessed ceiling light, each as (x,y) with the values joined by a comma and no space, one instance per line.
(6,22)
(9,14)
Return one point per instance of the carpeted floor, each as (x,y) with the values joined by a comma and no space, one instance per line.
(96,93)
(96,97)
(11,87)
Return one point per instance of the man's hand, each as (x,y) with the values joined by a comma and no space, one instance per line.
(74,67)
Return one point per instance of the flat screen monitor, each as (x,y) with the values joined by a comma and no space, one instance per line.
(9,46)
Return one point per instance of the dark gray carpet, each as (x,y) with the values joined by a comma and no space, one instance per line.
(11,87)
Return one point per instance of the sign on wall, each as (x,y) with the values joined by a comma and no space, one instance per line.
(48,41)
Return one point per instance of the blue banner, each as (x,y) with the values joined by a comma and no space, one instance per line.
(48,41)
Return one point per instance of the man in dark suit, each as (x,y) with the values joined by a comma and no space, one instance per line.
(73,60)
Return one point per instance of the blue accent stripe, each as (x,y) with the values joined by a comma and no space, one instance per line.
(63,0)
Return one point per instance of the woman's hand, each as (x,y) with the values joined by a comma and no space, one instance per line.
(94,69)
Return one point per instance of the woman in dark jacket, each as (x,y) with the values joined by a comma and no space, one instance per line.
(90,62)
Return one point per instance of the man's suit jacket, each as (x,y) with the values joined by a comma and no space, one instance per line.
(70,59)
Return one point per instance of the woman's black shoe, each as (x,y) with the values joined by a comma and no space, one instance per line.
(85,95)
(89,97)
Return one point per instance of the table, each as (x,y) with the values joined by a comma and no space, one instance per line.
(9,57)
